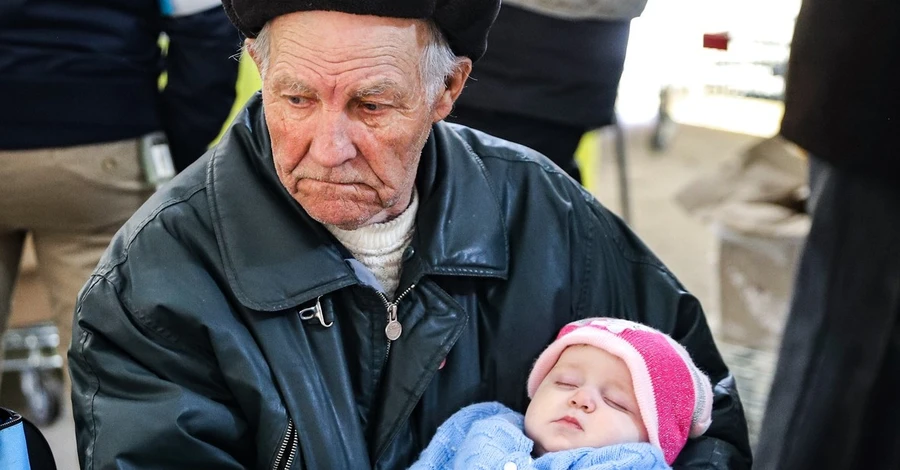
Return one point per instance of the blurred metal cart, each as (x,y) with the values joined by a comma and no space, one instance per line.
(31,354)
(745,63)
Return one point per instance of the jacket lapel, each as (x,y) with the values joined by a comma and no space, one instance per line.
(432,323)
(275,255)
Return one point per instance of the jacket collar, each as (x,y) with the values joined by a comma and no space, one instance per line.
(277,257)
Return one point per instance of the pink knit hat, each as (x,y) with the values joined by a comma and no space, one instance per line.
(674,397)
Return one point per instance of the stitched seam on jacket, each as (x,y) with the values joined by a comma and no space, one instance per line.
(143,223)
(585,281)
(84,337)
(473,271)
(522,158)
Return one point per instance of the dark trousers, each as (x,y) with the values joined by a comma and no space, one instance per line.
(835,399)
(556,141)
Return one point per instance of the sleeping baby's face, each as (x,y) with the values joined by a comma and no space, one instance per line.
(587,400)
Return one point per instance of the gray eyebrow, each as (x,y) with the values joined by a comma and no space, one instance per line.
(294,86)
(379,88)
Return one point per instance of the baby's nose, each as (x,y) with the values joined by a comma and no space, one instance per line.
(582,400)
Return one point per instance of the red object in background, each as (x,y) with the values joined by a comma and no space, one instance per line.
(716,41)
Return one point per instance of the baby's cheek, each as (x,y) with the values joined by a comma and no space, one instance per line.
(533,432)
(632,430)
(529,423)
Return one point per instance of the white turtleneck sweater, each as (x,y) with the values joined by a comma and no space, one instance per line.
(380,247)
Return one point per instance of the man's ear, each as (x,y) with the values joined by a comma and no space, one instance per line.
(445,99)
(248,46)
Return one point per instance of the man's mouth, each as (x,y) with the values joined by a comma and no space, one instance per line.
(320,185)
(570,421)
(332,181)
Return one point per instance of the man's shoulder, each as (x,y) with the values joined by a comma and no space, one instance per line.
(176,211)
(533,192)
(163,264)
(487,146)
(510,167)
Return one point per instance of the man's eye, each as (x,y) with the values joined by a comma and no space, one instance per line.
(297,100)
(372,107)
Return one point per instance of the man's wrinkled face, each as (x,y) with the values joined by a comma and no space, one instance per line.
(347,113)
(586,400)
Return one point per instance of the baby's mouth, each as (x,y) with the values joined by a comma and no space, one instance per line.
(570,421)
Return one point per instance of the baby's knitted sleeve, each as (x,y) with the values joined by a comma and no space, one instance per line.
(442,450)
(495,442)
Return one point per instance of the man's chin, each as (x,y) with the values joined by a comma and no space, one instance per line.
(342,223)
(342,219)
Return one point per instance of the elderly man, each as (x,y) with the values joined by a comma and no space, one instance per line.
(346,271)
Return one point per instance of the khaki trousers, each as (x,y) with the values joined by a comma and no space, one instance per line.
(72,201)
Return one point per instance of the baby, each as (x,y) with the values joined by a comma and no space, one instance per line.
(606,394)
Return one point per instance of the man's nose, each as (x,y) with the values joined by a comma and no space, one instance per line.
(331,146)
(582,400)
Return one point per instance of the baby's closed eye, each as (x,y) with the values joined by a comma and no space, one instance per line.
(616,405)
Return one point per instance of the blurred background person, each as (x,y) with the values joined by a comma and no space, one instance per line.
(833,403)
(551,74)
(80,88)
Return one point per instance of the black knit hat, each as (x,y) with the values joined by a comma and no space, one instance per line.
(465,23)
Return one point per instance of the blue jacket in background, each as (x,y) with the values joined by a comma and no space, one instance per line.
(490,436)
(78,73)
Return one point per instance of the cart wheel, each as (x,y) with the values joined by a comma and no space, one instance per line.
(42,391)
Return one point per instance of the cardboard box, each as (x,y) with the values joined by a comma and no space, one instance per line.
(754,203)
(754,276)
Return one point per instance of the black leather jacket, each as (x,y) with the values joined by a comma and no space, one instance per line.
(190,351)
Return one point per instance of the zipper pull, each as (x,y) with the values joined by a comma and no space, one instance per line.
(394,329)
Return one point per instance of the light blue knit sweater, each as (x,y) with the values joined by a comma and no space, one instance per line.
(490,436)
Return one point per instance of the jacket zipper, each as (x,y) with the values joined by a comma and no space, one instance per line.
(394,329)
(290,438)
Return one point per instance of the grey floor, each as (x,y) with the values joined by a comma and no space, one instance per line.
(684,244)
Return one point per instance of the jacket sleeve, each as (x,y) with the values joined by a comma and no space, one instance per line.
(622,278)
(202,74)
(136,401)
